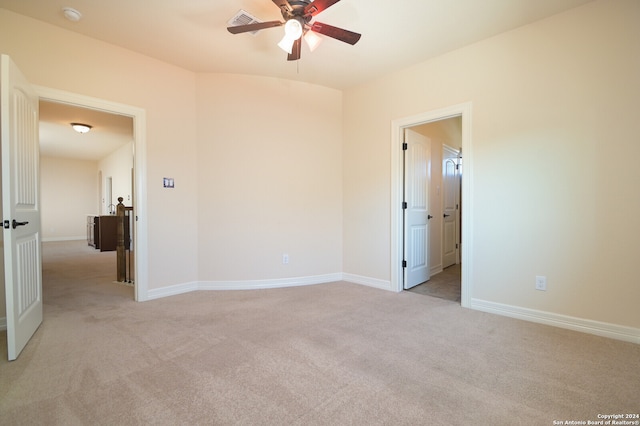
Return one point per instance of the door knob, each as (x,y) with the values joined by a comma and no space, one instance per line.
(429,216)
(15,223)
(446,215)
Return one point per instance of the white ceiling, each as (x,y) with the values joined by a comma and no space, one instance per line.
(58,139)
(192,34)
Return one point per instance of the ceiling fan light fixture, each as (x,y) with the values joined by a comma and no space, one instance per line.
(293,29)
(312,39)
(286,44)
(80,127)
(292,32)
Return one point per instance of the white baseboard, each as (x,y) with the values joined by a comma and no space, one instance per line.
(371,282)
(241,285)
(613,331)
(52,239)
(3,323)
(272,283)
(172,290)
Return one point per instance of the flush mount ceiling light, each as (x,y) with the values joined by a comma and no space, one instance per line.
(81,128)
(71,14)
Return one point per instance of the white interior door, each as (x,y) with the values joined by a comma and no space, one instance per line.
(417,171)
(450,204)
(20,206)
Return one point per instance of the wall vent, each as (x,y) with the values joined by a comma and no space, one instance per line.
(243,18)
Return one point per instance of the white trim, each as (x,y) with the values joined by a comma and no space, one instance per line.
(174,290)
(271,283)
(3,323)
(435,270)
(53,239)
(397,128)
(140,157)
(613,331)
(371,282)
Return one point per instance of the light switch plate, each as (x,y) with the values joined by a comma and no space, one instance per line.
(168,182)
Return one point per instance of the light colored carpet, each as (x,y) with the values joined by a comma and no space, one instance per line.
(331,354)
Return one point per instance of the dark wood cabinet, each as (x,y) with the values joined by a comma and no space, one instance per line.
(93,225)
(108,233)
(102,232)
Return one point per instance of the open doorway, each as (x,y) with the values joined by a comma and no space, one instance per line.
(83,173)
(132,171)
(398,274)
(443,169)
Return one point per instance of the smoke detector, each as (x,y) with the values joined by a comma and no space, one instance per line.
(71,14)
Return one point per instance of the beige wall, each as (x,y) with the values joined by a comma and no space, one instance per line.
(117,165)
(49,57)
(68,193)
(270,178)
(554,120)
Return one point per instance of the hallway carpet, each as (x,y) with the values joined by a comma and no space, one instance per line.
(329,354)
(444,285)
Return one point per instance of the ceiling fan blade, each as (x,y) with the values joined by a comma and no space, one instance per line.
(295,51)
(318,6)
(283,5)
(335,32)
(238,29)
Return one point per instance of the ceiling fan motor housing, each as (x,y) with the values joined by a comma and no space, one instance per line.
(297,11)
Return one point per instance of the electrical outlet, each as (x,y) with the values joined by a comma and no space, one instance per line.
(285,259)
(541,283)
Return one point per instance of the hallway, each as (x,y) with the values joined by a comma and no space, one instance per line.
(445,285)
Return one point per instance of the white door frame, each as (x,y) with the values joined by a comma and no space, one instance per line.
(138,115)
(397,129)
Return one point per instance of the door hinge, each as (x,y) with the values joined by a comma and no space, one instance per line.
(404,263)
(404,205)
(405,146)
(457,166)
(456,246)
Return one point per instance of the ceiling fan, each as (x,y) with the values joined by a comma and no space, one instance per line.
(297,16)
